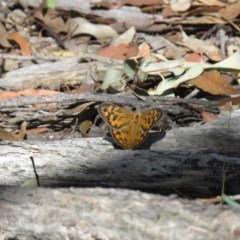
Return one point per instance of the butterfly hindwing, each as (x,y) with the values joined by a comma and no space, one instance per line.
(127,141)
(149,118)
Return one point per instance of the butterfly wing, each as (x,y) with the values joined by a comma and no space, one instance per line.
(149,118)
(129,136)
(116,116)
(129,129)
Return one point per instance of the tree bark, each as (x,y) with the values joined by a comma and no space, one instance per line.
(102,214)
(191,161)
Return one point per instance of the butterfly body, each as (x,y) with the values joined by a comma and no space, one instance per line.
(128,128)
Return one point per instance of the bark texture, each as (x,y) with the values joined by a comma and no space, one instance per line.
(110,214)
(189,160)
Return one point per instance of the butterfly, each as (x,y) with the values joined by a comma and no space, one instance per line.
(129,129)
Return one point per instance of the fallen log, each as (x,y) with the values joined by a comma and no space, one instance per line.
(42,213)
(191,161)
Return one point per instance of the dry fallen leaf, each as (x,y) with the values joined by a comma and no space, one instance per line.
(231,11)
(213,3)
(208,117)
(180,5)
(213,82)
(143,2)
(22,42)
(4,37)
(200,46)
(52,20)
(144,50)
(125,38)
(121,52)
(193,57)
(27,92)
(7,136)
(80,25)
(38,130)
(84,127)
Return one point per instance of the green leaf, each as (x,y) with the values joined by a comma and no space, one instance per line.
(167,84)
(113,78)
(133,71)
(230,202)
(229,64)
(51,4)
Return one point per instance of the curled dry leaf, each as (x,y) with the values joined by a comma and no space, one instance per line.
(214,83)
(180,5)
(144,50)
(7,136)
(80,25)
(200,46)
(52,20)
(22,42)
(84,128)
(125,38)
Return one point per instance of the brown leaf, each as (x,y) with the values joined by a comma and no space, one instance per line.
(200,46)
(193,57)
(84,127)
(3,37)
(208,117)
(213,3)
(52,20)
(121,51)
(229,104)
(231,11)
(7,136)
(143,2)
(213,82)
(78,109)
(22,42)
(21,133)
(38,130)
(144,50)
(27,92)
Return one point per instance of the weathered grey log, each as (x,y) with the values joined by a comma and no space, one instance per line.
(107,214)
(48,74)
(20,111)
(190,160)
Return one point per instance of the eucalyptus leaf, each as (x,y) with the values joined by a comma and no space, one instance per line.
(133,71)
(51,4)
(230,64)
(230,202)
(113,78)
(169,83)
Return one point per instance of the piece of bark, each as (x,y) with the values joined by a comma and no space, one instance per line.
(110,214)
(48,74)
(20,111)
(187,160)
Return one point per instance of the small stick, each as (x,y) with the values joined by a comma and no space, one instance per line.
(35,172)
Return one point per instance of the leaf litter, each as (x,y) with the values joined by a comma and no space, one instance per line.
(121,48)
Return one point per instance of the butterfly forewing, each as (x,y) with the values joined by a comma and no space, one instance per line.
(116,116)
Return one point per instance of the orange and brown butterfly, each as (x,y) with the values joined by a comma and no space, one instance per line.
(129,129)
